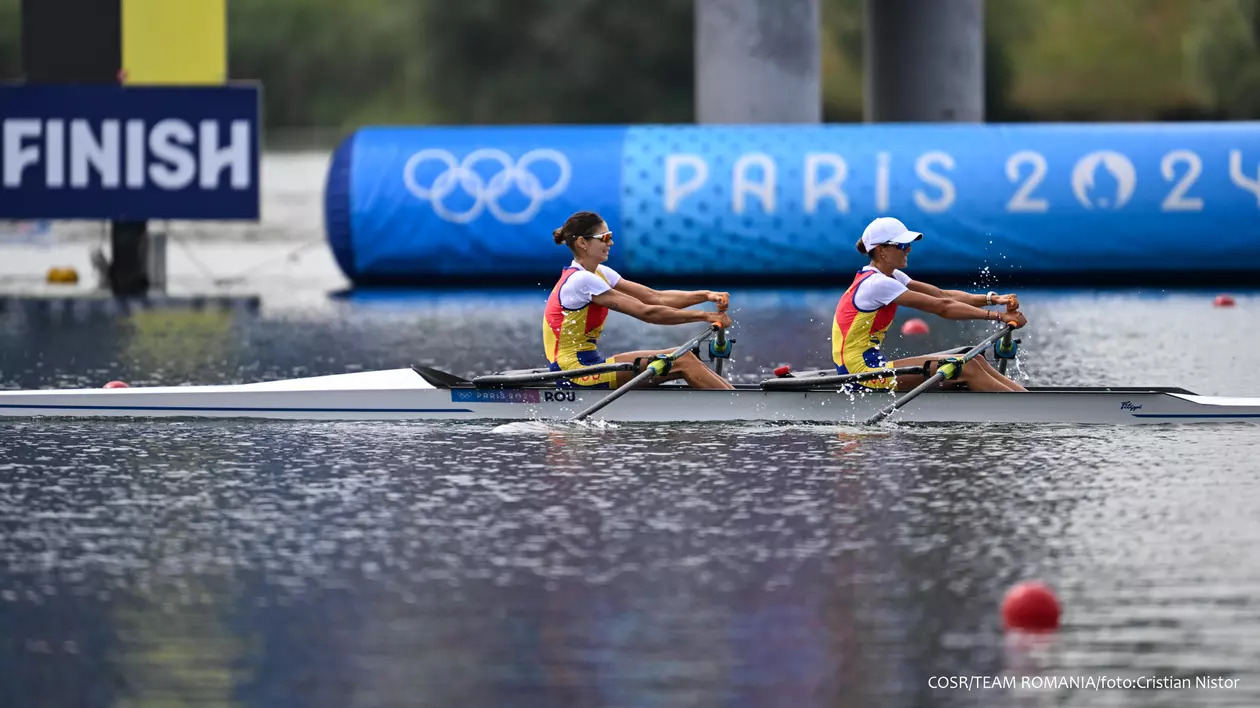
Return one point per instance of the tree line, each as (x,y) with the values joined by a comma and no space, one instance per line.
(338,65)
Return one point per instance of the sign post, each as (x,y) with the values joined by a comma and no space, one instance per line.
(126,116)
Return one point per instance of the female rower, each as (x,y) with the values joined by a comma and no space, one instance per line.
(587,290)
(867,308)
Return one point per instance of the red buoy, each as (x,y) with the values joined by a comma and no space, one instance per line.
(782,371)
(914,326)
(116,384)
(1223,301)
(1030,606)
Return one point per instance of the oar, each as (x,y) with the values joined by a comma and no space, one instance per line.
(938,376)
(657,367)
(543,376)
(838,379)
(719,350)
(1004,352)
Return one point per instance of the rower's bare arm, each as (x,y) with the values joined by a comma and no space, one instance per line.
(955,310)
(958,295)
(656,314)
(638,291)
(670,298)
(682,298)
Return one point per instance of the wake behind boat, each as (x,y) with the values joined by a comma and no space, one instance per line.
(420,393)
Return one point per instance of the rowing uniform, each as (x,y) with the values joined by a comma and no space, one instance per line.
(572,324)
(865,312)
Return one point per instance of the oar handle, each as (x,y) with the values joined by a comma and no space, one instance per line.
(720,346)
(1004,347)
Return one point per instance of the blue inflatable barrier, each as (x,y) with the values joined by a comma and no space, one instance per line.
(422,205)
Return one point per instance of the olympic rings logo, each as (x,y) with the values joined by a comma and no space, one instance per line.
(486,194)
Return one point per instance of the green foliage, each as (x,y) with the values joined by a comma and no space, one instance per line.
(335,64)
(1099,60)
(559,61)
(844,36)
(1224,51)
(10,40)
(842,47)
(327,62)
(1005,25)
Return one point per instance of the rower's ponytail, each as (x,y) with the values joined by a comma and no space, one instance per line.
(861,247)
(582,223)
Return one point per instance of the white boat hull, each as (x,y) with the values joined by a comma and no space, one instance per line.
(402,394)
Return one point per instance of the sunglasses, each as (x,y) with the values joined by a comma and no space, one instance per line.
(898,246)
(606,237)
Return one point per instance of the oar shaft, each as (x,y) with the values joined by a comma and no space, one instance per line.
(543,376)
(654,368)
(599,405)
(839,379)
(937,377)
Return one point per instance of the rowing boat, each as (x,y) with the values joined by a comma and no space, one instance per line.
(421,393)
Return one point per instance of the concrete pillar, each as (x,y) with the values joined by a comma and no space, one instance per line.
(924,60)
(757,61)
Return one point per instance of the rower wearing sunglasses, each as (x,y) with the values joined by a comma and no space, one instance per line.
(588,289)
(867,308)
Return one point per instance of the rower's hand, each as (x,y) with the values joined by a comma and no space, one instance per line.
(722,299)
(1014,318)
(718,318)
(1011,302)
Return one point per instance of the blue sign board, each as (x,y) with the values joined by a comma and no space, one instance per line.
(129,153)
(1041,197)
(787,200)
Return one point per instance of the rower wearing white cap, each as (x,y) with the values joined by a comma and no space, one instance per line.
(867,308)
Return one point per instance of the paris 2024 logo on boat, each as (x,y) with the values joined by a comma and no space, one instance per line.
(1111,189)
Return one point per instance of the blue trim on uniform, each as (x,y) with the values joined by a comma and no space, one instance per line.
(874,358)
(585,358)
(875,362)
(855,386)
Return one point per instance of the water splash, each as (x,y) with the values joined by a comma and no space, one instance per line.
(527,427)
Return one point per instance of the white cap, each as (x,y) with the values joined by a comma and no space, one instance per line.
(886,229)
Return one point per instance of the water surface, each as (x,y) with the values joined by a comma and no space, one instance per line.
(333,564)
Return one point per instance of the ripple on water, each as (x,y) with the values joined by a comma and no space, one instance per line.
(555,564)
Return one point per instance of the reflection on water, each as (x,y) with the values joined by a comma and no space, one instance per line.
(335,564)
